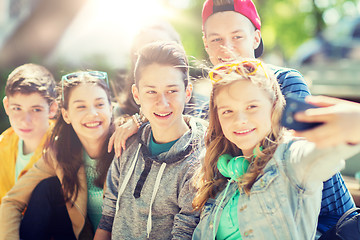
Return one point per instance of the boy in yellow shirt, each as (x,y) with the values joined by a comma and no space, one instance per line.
(29,103)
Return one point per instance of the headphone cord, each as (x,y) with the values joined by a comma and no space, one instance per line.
(218,208)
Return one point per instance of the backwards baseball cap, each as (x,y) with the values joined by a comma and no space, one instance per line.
(244,7)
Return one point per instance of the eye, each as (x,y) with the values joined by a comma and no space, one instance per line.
(237,37)
(151,92)
(100,105)
(172,91)
(37,110)
(16,108)
(252,106)
(215,40)
(80,107)
(225,112)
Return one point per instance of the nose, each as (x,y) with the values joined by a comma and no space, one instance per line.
(162,100)
(228,49)
(26,117)
(93,111)
(242,118)
(227,45)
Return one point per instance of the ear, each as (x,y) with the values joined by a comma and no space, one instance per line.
(188,92)
(6,104)
(65,115)
(257,38)
(205,42)
(135,93)
(53,109)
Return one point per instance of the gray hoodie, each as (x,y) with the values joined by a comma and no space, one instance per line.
(151,196)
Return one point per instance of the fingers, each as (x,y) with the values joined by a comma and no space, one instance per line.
(118,143)
(121,134)
(111,142)
(322,101)
(322,136)
(341,121)
(123,145)
(315,115)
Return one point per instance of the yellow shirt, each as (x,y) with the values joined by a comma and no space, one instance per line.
(8,154)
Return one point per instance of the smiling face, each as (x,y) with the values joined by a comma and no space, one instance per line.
(162,96)
(29,116)
(244,111)
(229,35)
(89,112)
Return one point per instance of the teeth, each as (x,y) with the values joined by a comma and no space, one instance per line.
(162,115)
(226,60)
(245,131)
(93,124)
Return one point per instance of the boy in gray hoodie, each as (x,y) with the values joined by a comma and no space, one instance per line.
(149,192)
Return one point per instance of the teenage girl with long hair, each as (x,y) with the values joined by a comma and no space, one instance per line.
(256,179)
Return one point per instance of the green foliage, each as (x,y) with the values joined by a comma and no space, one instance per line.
(4,122)
(287,24)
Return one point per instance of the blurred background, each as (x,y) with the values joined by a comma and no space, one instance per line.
(320,38)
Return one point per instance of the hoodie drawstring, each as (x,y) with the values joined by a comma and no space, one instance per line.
(156,188)
(127,178)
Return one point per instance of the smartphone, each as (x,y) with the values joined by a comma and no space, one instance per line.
(294,105)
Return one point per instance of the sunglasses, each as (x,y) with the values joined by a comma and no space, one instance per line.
(250,67)
(69,78)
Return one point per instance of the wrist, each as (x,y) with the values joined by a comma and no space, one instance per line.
(137,119)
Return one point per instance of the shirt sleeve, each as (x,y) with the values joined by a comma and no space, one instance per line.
(16,200)
(291,82)
(336,200)
(187,219)
(309,166)
(110,198)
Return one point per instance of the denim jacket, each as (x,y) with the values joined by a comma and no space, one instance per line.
(284,202)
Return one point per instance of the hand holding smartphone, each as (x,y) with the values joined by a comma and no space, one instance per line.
(294,105)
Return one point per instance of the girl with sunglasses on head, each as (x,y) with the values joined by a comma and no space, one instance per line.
(148,189)
(257,180)
(64,189)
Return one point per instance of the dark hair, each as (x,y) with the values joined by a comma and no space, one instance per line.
(223,2)
(66,146)
(31,78)
(165,53)
(127,103)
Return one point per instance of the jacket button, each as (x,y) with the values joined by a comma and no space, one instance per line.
(211,226)
(262,183)
(247,233)
(243,208)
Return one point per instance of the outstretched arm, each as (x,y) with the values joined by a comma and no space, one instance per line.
(341,121)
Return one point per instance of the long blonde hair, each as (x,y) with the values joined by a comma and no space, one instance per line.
(208,179)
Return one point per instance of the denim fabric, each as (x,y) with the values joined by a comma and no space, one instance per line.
(285,200)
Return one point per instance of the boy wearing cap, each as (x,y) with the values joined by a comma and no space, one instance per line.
(231,29)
